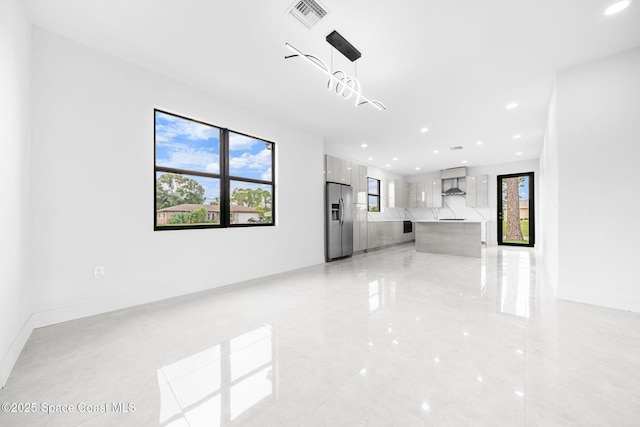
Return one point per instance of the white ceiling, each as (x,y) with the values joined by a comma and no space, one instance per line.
(451,66)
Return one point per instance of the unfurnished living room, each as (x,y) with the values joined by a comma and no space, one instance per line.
(319,213)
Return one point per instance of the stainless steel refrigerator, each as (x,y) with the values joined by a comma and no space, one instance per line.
(339,221)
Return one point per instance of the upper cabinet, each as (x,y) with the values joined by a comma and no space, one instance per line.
(337,170)
(477,191)
(359,183)
(424,194)
(434,193)
(421,195)
(396,194)
(471,193)
(412,195)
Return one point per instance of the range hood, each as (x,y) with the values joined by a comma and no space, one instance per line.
(454,173)
(455,190)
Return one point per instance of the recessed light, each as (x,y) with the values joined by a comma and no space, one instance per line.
(617,7)
(418,168)
(435,151)
(464,161)
(517,136)
(363,145)
(479,143)
(395,159)
(369,158)
(519,153)
(512,105)
(388,166)
(424,130)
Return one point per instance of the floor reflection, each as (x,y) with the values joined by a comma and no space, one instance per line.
(382,293)
(217,385)
(515,280)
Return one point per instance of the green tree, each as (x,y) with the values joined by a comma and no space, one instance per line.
(172,190)
(257,198)
(197,216)
(179,218)
(512,196)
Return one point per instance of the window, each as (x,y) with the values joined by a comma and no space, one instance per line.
(208,177)
(373,194)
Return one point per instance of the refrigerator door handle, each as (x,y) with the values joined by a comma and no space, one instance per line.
(341,211)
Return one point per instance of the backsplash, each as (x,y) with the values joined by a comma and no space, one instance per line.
(453,207)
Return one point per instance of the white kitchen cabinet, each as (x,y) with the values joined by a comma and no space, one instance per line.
(396,194)
(337,170)
(359,183)
(477,192)
(470,192)
(358,174)
(412,195)
(360,233)
(433,190)
(421,195)
(401,193)
(482,191)
(385,233)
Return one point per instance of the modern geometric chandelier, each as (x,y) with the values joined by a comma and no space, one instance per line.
(345,86)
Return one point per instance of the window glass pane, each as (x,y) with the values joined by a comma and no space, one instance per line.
(374,205)
(186,144)
(251,203)
(250,157)
(184,200)
(374,187)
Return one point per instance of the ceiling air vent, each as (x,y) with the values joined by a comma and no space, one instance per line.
(308,12)
(458,147)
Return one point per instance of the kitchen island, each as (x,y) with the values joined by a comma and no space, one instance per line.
(458,237)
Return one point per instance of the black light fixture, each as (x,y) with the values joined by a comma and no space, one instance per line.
(343,46)
(344,85)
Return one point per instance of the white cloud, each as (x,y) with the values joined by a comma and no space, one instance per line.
(181,127)
(266,176)
(213,167)
(258,161)
(240,142)
(185,157)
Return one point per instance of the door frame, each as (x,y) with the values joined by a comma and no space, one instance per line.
(532,216)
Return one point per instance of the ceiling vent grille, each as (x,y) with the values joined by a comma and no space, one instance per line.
(458,147)
(308,12)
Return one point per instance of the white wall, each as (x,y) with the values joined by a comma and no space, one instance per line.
(15,212)
(93,189)
(456,205)
(598,117)
(548,204)
(386,213)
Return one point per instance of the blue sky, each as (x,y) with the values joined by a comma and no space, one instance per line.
(185,144)
(524,189)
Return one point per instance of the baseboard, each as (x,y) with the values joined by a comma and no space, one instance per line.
(618,302)
(391,245)
(11,356)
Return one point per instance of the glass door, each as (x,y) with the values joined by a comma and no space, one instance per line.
(516,226)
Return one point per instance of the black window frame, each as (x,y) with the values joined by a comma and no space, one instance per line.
(376,196)
(223,176)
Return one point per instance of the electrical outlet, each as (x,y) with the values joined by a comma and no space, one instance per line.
(98,272)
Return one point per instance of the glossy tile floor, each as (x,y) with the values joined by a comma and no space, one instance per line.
(389,338)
